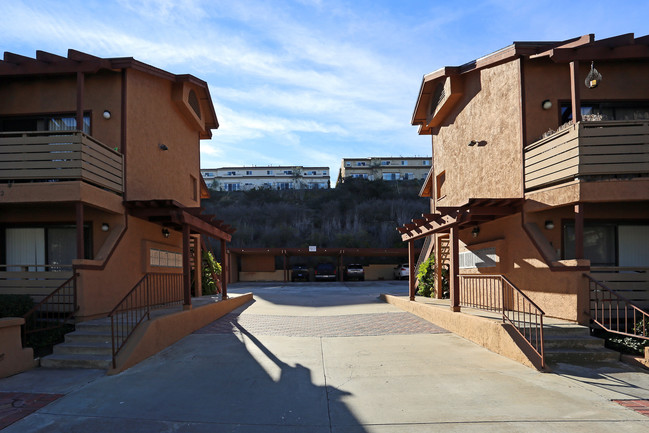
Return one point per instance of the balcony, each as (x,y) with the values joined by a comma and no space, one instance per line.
(57,156)
(588,150)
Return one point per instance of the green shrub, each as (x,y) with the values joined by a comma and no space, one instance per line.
(426,276)
(15,305)
(210,266)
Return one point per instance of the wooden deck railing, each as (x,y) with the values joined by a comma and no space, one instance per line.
(604,148)
(153,291)
(496,293)
(54,156)
(37,281)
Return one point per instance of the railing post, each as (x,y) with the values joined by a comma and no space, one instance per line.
(502,296)
(454,271)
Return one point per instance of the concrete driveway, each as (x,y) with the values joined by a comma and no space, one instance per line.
(330,357)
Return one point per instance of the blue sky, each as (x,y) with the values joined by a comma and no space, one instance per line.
(307,82)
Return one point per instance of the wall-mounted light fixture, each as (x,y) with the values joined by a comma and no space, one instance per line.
(472,143)
(106,114)
(105,227)
(163,146)
(475,232)
(549,225)
(546,105)
(165,232)
(593,78)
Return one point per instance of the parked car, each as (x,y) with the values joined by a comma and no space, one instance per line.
(299,272)
(402,271)
(325,271)
(354,272)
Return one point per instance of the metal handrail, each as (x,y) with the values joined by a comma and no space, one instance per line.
(496,293)
(606,306)
(152,291)
(53,311)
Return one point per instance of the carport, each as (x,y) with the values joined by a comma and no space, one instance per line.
(269,254)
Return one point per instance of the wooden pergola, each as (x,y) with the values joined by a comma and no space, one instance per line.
(451,220)
(187,220)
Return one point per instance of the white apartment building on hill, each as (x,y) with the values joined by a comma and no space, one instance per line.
(271,177)
(386,168)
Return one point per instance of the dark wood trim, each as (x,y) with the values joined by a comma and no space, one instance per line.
(579,231)
(454,272)
(225,271)
(80,235)
(187,277)
(81,84)
(574,91)
(123,135)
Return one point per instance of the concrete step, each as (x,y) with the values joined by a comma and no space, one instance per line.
(573,342)
(94,326)
(88,337)
(568,330)
(77,361)
(581,357)
(88,348)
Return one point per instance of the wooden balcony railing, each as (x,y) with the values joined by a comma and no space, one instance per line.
(604,148)
(54,156)
(37,281)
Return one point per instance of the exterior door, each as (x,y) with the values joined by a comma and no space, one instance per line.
(633,246)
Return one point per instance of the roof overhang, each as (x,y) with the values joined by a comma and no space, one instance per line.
(475,211)
(170,213)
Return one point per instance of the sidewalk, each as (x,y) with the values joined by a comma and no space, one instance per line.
(331,358)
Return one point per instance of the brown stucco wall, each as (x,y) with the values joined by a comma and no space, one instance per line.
(560,294)
(100,290)
(544,79)
(154,119)
(13,358)
(489,113)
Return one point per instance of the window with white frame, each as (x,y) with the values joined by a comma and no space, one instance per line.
(385,162)
(248,172)
(231,173)
(404,162)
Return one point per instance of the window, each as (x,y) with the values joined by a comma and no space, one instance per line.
(232,187)
(208,174)
(269,172)
(284,185)
(56,122)
(289,172)
(248,172)
(410,176)
(602,110)
(484,258)
(360,163)
(439,183)
(385,162)
(425,162)
(324,173)
(391,176)
(231,173)
(348,164)
(609,243)
(404,162)
(313,173)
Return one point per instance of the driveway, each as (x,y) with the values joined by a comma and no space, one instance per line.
(330,357)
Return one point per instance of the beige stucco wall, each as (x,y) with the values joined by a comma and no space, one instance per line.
(488,112)
(13,358)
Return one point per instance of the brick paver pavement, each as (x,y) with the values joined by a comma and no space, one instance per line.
(640,406)
(350,325)
(17,405)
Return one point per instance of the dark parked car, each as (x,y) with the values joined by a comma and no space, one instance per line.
(325,271)
(354,272)
(299,272)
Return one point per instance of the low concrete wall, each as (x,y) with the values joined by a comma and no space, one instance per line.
(159,333)
(13,358)
(261,276)
(497,337)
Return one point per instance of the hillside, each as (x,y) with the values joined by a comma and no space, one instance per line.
(358,214)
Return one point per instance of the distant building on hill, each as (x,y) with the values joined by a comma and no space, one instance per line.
(272,177)
(389,168)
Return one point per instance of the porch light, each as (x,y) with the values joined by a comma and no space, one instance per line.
(165,232)
(163,146)
(106,114)
(547,104)
(593,78)
(105,227)
(549,225)
(472,143)
(475,232)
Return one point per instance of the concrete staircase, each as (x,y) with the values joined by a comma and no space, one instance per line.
(573,344)
(89,346)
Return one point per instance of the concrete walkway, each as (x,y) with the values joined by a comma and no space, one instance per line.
(330,357)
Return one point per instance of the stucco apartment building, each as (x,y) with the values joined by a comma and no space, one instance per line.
(269,177)
(100,189)
(540,177)
(386,168)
